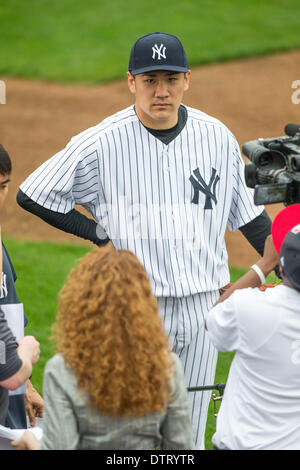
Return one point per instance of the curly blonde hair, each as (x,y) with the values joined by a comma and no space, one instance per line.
(110,333)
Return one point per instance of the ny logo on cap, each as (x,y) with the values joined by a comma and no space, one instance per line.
(159,51)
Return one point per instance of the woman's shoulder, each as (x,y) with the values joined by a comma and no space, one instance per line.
(56,365)
(58,374)
(55,360)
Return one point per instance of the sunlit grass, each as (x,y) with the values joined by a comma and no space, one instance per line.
(90,41)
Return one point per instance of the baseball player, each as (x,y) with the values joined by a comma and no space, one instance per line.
(163,180)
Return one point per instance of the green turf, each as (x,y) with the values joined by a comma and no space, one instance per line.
(42,269)
(89,41)
(223,365)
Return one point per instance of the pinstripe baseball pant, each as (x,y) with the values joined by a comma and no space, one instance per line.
(184,324)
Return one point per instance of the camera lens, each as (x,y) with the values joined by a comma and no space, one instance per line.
(250,174)
(295,163)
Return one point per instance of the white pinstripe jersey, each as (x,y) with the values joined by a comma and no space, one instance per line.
(168,204)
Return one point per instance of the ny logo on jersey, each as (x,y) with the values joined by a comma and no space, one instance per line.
(159,51)
(209,189)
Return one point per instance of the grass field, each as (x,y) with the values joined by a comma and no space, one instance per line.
(75,41)
(42,269)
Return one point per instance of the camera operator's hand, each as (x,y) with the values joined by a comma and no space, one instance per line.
(270,257)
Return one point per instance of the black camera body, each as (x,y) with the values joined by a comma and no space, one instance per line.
(274,169)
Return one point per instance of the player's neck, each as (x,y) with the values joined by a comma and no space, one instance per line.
(157,124)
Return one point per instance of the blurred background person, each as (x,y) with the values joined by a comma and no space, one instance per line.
(25,398)
(16,359)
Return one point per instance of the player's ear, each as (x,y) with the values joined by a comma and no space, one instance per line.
(187,77)
(131,82)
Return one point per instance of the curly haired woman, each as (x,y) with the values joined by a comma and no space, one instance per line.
(114,383)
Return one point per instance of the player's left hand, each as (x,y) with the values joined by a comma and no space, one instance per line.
(34,404)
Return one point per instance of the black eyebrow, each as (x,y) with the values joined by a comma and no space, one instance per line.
(167,72)
(4,182)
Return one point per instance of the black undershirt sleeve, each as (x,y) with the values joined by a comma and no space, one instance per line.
(73,222)
(257,231)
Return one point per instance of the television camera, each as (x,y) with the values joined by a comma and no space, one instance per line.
(274,167)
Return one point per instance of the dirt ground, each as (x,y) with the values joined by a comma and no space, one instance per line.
(252,97)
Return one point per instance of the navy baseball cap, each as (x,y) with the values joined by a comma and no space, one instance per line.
(157,51)
(290,256)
